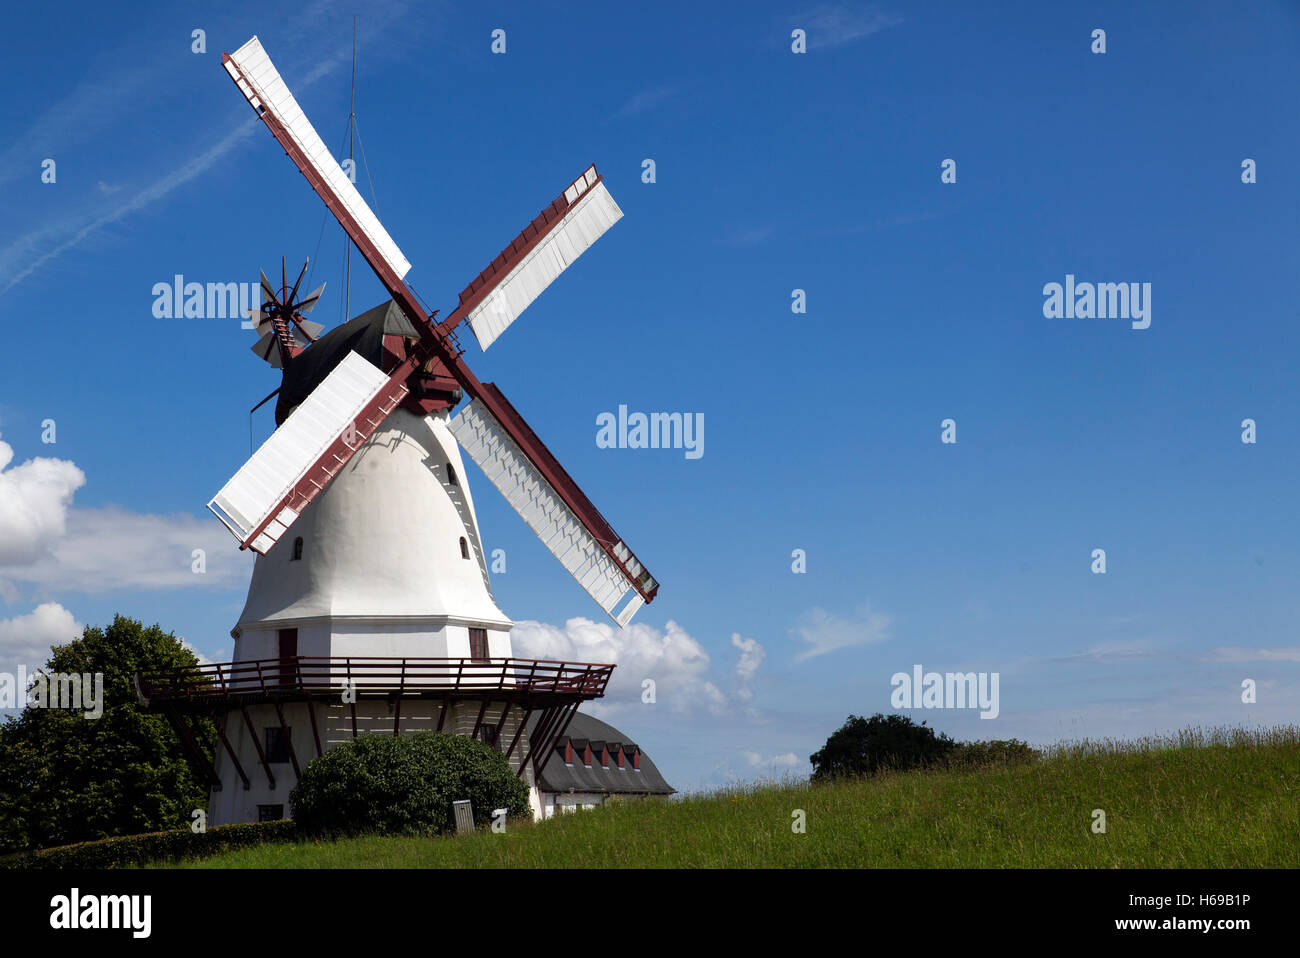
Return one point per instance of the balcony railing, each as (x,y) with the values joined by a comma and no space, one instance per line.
(373,676)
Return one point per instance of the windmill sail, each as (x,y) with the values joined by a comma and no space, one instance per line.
(269,492)
(262,86)
(599,561)
(537,256)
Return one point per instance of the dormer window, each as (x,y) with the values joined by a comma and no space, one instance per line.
(464,548)
(604,758)
(619,757)
(568,754)
(636,759)
(297,550)
(586,757)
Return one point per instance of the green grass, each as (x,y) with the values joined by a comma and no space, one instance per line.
(1225,798)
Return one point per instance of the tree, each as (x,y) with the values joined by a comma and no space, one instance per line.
(861,746)
(66,778)
(404,784)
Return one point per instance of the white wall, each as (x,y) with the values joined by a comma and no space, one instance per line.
(554,803)
(233,804)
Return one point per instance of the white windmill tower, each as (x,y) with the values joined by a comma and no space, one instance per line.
(370,607)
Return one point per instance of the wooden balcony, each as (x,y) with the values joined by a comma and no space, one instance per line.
(216,686)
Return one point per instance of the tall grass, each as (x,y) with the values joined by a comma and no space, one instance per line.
(1217,798)
(1222,736)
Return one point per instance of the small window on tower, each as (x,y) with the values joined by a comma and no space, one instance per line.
(464,548)
(478,644)
(270,813)
(297,549)
(451,475)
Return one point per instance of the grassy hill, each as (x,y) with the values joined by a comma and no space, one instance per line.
(1228,798)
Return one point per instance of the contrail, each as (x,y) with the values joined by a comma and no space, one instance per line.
(178,177)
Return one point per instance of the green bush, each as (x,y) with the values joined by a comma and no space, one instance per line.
(151,847)
(403,784)
(996,752)
(892,742)
(65,779)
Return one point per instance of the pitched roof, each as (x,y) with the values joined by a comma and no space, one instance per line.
(584,730)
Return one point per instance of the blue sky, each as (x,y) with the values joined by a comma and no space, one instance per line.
(775,171)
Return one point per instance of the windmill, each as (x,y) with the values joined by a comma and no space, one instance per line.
(422,368)
(370,608)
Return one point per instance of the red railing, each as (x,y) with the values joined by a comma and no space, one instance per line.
(374,675)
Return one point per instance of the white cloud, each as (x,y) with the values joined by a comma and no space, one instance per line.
(830,25)
(826,632)
(1238,653)
(677,663)
(109,549)
(46,542)
(785,760)
(752,654)
(34,501)
(1117,651)
(203,659)
(26,639)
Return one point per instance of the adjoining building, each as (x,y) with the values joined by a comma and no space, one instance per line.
(593,763)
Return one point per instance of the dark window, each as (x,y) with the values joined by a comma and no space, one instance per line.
(297,550)
(288,656)
(451,475)
(487,734)
(478,644)
(270,813)
(464,548)
(277,745)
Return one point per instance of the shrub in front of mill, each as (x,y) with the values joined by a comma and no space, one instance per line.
(403,784)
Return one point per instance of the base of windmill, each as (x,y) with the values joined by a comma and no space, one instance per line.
(275,715)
